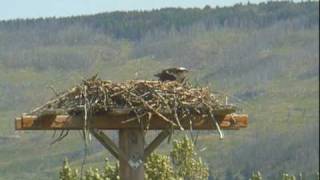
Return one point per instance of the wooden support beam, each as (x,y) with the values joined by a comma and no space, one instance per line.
(156,142)
(116,122)
(107,143)
(131,142)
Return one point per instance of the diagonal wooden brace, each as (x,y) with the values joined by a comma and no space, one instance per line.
(107,143)
(156,142)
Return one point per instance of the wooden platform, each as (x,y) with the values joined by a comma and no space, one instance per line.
(116,122)
(131,150)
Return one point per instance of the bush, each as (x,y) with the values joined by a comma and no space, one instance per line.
(183,163)
(66,173)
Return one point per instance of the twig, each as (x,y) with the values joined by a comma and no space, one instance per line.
(215,122)
(157,113)
(61,136)
(175,112)
(134,118)
(153,110)
(54,90)
(71,91)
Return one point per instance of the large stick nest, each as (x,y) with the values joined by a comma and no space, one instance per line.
(139,97)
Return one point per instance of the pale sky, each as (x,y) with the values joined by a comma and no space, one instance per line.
(13,9)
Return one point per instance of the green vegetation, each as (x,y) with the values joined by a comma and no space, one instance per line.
(183,163)
(134,25)
(265,57)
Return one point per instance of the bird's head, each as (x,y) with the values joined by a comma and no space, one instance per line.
(182,69)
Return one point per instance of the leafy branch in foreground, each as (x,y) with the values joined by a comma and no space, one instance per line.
(284,176)
(158,166)
(183,163)
(186,163)
(67,173)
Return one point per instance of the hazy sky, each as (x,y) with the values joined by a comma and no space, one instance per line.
(12,9)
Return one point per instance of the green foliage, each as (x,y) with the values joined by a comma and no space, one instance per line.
(67,173)
(134,25)
(185,160)
(286,176)
(111,172)
(185,164)
(256,176)
(93,174)
(157,166)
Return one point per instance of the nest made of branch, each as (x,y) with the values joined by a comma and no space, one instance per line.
(140,97)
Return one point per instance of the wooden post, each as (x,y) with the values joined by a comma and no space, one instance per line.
(131,142)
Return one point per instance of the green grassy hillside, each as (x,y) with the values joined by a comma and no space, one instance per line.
(271,72)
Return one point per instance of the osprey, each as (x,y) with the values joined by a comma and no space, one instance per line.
(173,74)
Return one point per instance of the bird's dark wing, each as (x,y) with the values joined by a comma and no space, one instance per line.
(165,76)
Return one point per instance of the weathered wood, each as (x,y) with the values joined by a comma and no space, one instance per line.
(131,142)
(115,122)
(156,142)
(107,143)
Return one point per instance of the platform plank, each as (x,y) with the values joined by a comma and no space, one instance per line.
(114,122)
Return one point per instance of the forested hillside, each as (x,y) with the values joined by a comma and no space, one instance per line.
(135,24)
(263,56)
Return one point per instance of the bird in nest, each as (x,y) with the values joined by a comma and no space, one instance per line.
(178,74)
